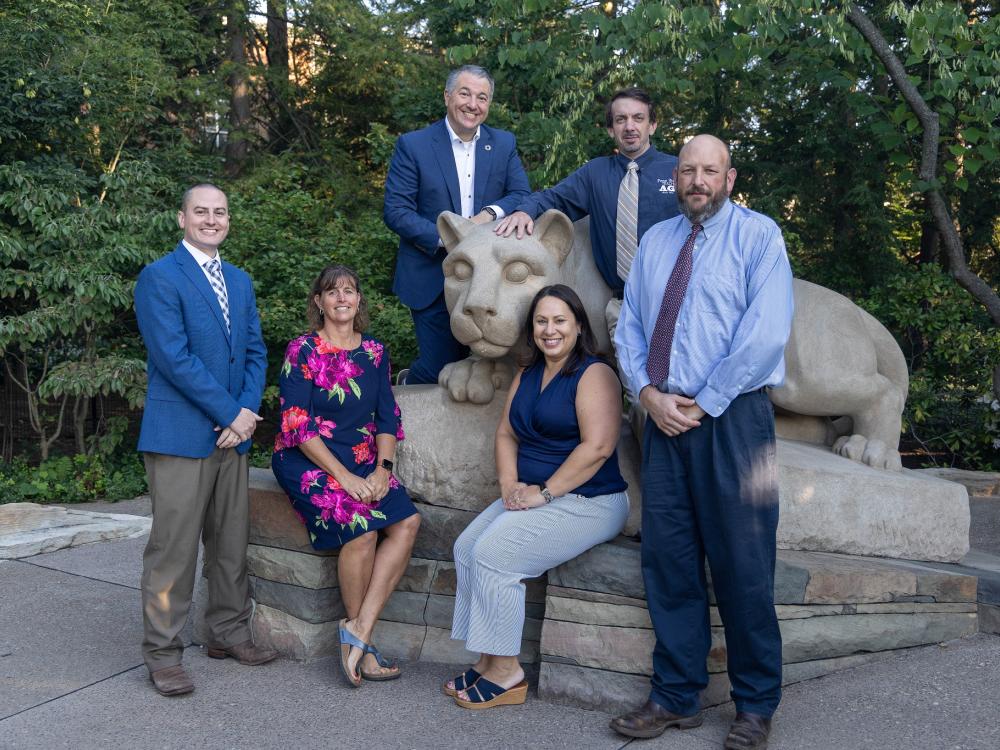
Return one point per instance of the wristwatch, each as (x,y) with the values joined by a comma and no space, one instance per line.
(491,212)
(545,493)
(386,464)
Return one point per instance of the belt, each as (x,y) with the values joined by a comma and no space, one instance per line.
(618,294)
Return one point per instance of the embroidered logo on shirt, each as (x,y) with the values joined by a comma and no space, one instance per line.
(667,185)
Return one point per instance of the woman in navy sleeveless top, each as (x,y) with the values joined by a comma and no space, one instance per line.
(561,489)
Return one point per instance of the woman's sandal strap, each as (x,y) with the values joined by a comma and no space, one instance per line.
(492,690)
(369,648)
(346,636)
(469,678)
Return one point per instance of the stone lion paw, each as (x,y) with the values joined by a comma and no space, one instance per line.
(475,380)
(874,452)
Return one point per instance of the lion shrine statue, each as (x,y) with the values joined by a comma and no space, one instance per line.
(846,378)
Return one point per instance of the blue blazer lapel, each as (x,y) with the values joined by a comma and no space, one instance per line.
(196,276)
(484,163)
(446,161)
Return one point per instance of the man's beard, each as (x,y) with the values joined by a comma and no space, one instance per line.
(710,209)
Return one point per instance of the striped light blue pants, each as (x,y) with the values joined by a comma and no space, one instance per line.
(500,548)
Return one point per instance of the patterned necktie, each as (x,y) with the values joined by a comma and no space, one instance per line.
(658,362)
(214,268)
(627,223)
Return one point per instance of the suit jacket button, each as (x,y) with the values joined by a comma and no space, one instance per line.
(232,360)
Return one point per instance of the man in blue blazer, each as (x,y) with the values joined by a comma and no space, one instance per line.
(205,369)
(457,164)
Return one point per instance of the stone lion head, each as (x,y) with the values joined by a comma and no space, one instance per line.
(489,281)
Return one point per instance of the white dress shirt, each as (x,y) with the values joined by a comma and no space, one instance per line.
(465,165)
(201,259)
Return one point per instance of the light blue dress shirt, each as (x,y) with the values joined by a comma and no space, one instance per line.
(736,316)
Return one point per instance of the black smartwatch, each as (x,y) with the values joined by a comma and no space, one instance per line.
(491,212)
(386,464)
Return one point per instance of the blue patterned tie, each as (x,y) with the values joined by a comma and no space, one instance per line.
(214,268)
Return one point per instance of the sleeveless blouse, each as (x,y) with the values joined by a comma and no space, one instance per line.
(547,430)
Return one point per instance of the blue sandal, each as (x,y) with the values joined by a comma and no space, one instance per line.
(382,662)
(347,640)
(463,682)
(486,694)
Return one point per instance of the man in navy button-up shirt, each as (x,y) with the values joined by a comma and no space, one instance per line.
(709,474)
(630,118)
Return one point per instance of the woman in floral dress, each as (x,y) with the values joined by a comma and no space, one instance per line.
(334,458)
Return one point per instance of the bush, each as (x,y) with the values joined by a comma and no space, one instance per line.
(288,228)
(72,479)
(951,348)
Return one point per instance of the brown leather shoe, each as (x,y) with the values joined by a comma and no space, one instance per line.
(171,681)
(651,720)
(748,732)
(245,653)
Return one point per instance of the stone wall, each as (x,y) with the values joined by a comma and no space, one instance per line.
(298,599)
(834,611)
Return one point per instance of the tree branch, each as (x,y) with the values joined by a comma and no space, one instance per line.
(950,239)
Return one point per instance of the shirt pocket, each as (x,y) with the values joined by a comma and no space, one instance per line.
(722,294)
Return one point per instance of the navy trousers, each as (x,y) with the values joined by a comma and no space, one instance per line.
(435,342)
(713,491)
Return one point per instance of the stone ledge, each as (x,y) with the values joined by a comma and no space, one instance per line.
(28,529)
(800,577)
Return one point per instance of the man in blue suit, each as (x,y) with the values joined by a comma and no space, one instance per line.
(457,164)
(205,368)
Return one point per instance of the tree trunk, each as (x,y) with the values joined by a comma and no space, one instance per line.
(280,128)
(237,145)
(930,242)
(951,241)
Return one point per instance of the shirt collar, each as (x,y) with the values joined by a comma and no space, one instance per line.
(708,226)
(647,156)
(453,136)
(199,257)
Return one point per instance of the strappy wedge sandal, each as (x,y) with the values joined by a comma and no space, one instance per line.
(463,682)
(347,639)
(382,662)
(486,694)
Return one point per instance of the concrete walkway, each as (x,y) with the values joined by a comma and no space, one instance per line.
(71,676)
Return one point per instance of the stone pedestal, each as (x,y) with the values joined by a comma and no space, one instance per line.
(834,611)
(828,503)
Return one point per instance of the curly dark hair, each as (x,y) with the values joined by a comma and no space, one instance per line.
(586,343)
(326,281)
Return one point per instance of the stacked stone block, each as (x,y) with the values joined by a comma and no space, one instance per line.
(298,603)
(834,611)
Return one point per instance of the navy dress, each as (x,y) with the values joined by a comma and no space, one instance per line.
(345,398)
(548,431)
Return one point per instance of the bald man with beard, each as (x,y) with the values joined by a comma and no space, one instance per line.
(705,318)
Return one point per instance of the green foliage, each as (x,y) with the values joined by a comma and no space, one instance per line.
(288,224)
(102,107)
(77,479)
(951,350)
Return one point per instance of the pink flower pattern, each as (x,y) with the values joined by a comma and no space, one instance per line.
(336,373)
(374,349)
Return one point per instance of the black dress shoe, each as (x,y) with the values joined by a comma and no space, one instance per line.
(651,720)
(748,732)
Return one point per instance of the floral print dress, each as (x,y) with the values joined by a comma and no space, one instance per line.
(345,398)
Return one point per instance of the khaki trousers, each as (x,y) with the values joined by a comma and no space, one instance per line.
(195,498)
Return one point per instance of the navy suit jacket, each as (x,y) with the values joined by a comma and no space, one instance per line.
(423,182)
(199,375)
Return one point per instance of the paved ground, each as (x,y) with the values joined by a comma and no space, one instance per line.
(71,676)
(984,526)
